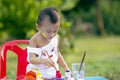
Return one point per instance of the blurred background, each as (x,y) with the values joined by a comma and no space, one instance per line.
(91,25)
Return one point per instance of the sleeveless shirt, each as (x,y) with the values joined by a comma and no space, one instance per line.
(51,49)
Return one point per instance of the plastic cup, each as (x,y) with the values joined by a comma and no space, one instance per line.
(78,75)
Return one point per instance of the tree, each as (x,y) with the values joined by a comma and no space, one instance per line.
(99,17)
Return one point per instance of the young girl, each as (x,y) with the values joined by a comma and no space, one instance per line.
(43,51)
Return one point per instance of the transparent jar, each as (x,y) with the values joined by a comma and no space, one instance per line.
(78,72)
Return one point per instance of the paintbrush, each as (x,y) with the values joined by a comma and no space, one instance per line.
(49,58)
(80,67)
(81,63)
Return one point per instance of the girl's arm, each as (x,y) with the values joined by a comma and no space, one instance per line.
(33,57)
(61,60)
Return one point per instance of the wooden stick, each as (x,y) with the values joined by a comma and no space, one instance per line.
(81,63)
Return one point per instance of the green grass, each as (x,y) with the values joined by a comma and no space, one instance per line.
(11,65)
(102,58)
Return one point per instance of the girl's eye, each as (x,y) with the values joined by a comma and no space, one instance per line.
(51,32)
(48,31)
(55,31)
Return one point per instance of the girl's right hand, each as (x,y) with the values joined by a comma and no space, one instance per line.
(47,62)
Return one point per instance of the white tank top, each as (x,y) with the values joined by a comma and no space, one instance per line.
(51,48)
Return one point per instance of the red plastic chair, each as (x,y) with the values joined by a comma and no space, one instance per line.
(21,54)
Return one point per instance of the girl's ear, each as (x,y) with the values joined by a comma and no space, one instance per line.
(38,26)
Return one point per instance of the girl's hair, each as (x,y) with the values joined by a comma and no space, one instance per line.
(48,12)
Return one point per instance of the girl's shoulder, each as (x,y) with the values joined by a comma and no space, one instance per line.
(32,42)
(35,41)
(58,37)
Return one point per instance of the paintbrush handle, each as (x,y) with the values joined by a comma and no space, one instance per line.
(49,58)
(81,64)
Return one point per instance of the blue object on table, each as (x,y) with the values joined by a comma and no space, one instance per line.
(95,78)
(58,79)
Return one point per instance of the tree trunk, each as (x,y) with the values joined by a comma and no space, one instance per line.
(99,18)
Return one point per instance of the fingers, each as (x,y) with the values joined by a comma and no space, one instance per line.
(52,64)
(48,62)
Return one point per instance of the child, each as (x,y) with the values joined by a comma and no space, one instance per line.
(43,51)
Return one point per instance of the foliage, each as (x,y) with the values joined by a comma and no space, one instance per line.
(111,16)
(84,12)
(18,18)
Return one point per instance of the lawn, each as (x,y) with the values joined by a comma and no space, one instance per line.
(102,57)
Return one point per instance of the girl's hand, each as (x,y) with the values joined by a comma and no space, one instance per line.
(48,62)
(70,71)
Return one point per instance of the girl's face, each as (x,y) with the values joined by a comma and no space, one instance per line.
(48,29)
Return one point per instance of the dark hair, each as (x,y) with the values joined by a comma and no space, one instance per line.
(48,12)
